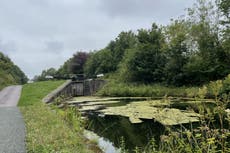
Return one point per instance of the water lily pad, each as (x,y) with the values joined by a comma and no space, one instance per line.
(137,110)
(147,110)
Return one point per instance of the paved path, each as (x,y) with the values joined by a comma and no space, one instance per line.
(12,127)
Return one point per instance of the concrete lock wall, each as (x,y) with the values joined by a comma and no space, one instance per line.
(75,88)
(92,86)
(87,87)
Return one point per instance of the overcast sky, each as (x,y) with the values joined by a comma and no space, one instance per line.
(39,34)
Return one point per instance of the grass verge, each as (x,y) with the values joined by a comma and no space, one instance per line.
(46,130)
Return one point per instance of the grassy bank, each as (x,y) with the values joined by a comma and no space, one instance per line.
(47,132)
(119,89)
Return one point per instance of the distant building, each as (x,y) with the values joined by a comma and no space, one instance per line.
(30,81)
(100,75)
(49,77)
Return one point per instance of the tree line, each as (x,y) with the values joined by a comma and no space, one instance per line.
(10,73)
(193,49)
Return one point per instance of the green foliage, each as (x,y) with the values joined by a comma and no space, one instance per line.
(5,79)
(120,89)
(69,69)
(107,60)
(10,73)
(176,53)
(124,41)
(99,62)
(224,6)
(147,61)
(208,60)
(72,117)
(226,85)
(219,87)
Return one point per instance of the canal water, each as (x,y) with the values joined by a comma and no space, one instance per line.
(118,129)
(113,131)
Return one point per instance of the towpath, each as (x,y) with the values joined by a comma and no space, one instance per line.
(12,127)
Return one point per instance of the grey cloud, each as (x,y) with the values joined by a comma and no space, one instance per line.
(38,34)
(127,7)
(144,8)
(8,47)
(38,2)
(54,46)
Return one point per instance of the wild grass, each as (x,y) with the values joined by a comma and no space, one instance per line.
(119,89)
(47,129)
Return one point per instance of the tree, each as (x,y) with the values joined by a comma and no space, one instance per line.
(176,52)
(107,60)
(145,63)
(207,61)
(77,62)
(73,66)
(45,73)
(10,73)
(224,7)
(124,41)
(99,62)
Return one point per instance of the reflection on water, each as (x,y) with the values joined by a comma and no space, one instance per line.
(103,143)
(113,128)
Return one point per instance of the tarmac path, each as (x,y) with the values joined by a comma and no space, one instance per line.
(12,126)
